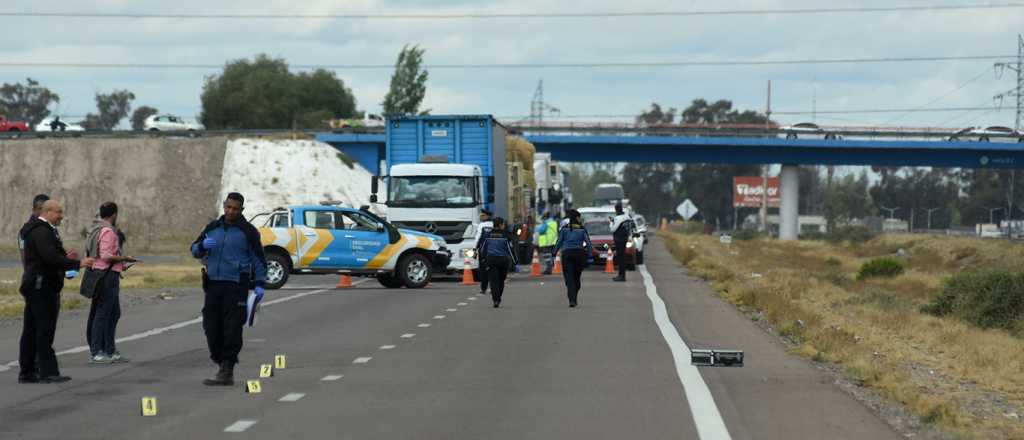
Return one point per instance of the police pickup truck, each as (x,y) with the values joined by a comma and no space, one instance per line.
(336,239)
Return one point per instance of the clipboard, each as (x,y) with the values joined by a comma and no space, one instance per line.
(252,304)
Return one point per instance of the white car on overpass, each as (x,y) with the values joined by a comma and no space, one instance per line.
(994,133)
(56,124)
(807,130)
(170,123)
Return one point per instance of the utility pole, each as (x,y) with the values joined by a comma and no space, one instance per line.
(1018,91)
(538,106)
(930,210)
(764,168)
(990,212)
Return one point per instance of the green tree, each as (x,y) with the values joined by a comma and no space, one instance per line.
(408,84)
(263,93)
(847,198)
(656,115)
(584,178)
(111,108)
(27,102)
(139,116)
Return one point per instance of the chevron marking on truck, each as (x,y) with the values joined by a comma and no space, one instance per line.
(385,254)
(312,248)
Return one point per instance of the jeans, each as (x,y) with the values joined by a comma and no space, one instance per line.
(103,325)
(573,262)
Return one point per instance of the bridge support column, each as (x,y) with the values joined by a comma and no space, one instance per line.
(789,217)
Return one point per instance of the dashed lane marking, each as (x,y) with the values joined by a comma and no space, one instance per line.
(451,310)
(292,397)
(408,335)
(423,325)
(332,377)
(387,347)
(463,304)
(438,316)
(362,360)
(240,426)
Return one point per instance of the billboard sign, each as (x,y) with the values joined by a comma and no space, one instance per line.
(748,191)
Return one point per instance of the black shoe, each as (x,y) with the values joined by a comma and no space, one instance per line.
(497,303)
(572,304)
(619,279)
(54,379)
(225,376)
(28,379)
(482,292)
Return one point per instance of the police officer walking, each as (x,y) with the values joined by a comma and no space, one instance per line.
(485,227)
(574,243)
(234,263)
(622,232)
(495,249)
(547,235)
(46,265)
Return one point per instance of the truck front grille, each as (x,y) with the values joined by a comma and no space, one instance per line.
(451,231)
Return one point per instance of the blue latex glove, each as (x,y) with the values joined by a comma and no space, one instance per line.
(71,274)
(208,243)
(259,293)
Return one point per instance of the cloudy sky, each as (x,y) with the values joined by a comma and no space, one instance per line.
(506,92)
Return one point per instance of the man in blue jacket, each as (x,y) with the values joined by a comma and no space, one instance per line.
(233,263)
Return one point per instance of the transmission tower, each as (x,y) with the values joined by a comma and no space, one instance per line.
(538,106)
(1017,92)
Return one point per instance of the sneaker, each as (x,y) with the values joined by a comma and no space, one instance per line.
(100,359)
(117,358)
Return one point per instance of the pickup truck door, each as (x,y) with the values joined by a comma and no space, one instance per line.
(366,236)
(320,240)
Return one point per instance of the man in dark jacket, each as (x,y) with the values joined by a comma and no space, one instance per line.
(233,259)
(37,205)
(622,232)
(46,263)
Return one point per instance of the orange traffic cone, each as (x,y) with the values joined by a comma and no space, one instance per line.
(535,266)
(557,270)
(609,266)
(345,282)
(467,274)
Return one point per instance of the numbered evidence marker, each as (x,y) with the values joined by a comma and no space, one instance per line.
(148,406)
(266,370)
(279,362)
(253,387)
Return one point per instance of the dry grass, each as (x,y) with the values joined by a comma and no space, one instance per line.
(949,373)
(149,276)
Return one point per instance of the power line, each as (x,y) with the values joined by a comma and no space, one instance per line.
(961,86)
(625,64)
(508,15)
(827,112)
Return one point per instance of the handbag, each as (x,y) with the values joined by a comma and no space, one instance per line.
(90,281)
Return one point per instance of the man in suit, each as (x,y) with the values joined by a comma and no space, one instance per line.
(46,265)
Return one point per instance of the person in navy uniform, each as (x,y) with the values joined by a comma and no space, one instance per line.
(496,251)
(574,243)
(234,263)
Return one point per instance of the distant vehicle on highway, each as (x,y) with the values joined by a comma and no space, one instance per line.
(48,124)
(994,133)
(7,125)
(604,215)
(368,121)
(168,122)
(807,130)
(601,237)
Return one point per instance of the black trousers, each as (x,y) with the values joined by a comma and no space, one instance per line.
(223,318)
(497,271)
(573,263)
(37,330)
(484,277)
(620,258)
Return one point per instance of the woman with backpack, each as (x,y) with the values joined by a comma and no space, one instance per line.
(498,255)
(574,243)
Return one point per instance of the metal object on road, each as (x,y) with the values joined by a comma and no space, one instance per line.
(716,358)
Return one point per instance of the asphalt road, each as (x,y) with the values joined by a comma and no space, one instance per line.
(441,363)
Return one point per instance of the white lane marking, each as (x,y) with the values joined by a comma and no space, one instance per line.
(424,325)
(362,360)
(332,377)
(292,397)
(472,298)
(240,426)
(157,331)
(387,347)
(438,316)
(451,310)
(4,368)
(408,335)
(702,404)
(463,304)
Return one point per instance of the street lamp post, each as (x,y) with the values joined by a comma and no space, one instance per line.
(891,211)
(930,216)
(990,212)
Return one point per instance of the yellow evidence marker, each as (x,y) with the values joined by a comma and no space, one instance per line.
(266,370)
(279,362)
(253,387)
(148,406)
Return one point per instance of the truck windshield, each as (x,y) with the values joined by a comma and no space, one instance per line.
(433,191)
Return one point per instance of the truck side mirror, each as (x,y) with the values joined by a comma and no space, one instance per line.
(373,184)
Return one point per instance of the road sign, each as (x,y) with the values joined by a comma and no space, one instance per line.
(687,209)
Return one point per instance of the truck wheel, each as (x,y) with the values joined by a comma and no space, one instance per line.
(389,280)
(278,268)
(414,271)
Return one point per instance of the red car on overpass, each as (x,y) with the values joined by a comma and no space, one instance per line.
(7,125)
(601,236)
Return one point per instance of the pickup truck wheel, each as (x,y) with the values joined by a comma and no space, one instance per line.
(278,268)
(414,271)
(389,280)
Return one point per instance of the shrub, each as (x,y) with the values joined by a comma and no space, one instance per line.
(745,234)
(853,234)
(880,267)
(833,261)
(991,299)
